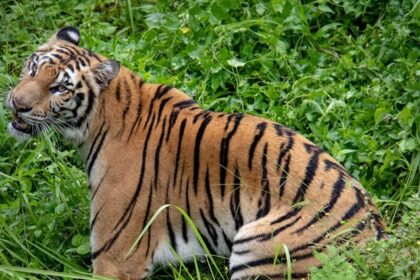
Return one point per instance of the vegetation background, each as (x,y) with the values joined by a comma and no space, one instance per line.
(345,73)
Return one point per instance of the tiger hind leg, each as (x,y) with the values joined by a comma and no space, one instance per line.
(257,251)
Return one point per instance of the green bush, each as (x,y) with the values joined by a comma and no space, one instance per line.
(344,73)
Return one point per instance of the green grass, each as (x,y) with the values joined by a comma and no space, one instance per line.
(345,73)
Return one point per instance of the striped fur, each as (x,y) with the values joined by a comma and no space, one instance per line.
(249,184)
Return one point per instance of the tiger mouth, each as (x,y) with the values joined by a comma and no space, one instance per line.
(20,125)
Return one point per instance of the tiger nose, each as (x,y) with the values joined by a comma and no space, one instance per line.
(19,107)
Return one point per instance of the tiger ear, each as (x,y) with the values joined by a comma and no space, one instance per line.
(69,34)
(105,72)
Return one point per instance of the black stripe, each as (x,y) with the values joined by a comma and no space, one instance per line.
(341,222)
(178,151)
(66,78)
(309,173)
(283,178)
(354,232)
(129,209)
(92,54)
(378,226)
(74,49)
(99,81)
(92,223)
(184,104)
(247,239)
(127,105)
(336,192)
(243,252)
(356,207)
(82,61)
(227,241)
(95,154)
(198,139)
(118,90)
(90,100)
(152,102)
(280,229)
(177,107)
(209,246)
(68,51)
(187,204)
(265,183)
(79,84)
(59,57)
(235,200)
(210,228)
(286,216)
(149,237)
(77,65)
(184,223)
(260,132)
(279,129)
(332,165)
(71,68)
(161,106)
(295,275)
(259,262)
(224,151)
(210,198)
(172,121)
(196,117)
(94,141)
(108,244)
(265,236)
(170,231)
(146,216)
(157,153)
(283,152)
(229,118)
(163,91)
(64,51)
(92,197)
(86,59)
(138,112)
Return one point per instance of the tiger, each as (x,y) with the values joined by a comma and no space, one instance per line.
(250,185)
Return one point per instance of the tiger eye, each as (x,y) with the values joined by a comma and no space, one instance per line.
(62,88)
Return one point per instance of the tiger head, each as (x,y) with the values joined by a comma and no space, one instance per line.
(59,86)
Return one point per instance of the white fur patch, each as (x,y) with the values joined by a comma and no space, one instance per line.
(185,251)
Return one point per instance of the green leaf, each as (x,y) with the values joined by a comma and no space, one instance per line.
(409,144)
(60,208)
(260,8)
(219,12)
(405,116)
(380,114)
(78,240)
(235,62)
(324,8)
(83,249)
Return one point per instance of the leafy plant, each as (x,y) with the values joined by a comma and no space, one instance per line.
(344,73)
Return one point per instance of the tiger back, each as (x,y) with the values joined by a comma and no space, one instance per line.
(250,185)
